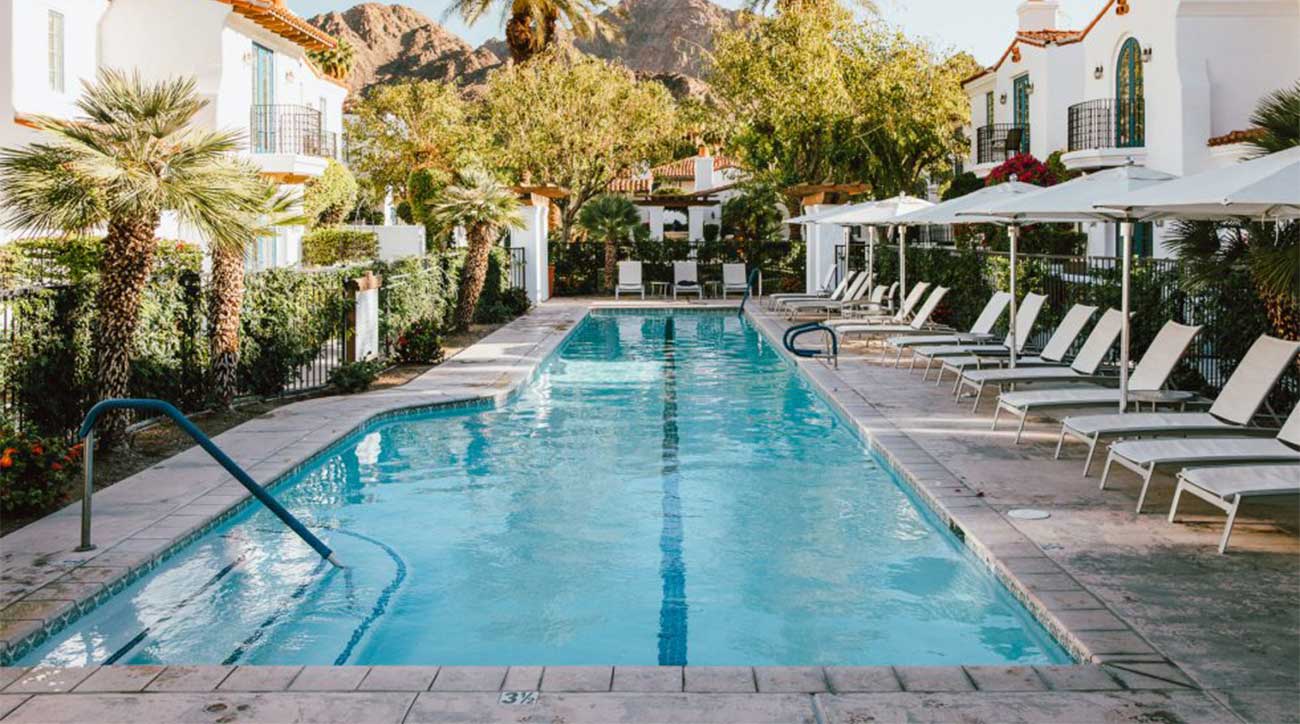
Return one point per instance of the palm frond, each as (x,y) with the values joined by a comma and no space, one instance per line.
(477,199)
(1278,116)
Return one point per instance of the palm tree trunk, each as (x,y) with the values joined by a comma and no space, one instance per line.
(473,276)
(611,262)
(520,37)
(227,298)
(128,257)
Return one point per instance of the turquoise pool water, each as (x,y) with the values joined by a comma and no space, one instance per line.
(668,490)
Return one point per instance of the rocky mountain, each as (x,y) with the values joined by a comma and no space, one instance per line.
(395,43)
(668,40)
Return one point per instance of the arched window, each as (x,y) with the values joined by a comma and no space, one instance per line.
(1130,110)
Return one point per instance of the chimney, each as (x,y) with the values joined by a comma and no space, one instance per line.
(1038,14)
(703,170)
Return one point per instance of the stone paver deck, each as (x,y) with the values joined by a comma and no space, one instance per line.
(1169,630)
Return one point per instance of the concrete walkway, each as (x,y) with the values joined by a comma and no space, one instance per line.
(1169,630)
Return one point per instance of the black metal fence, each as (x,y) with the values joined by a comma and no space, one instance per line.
(518,267)
(1107,123)
(998,142)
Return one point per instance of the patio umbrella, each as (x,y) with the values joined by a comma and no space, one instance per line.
(1076,201)
(1267,187)
(947,213)
(884,212)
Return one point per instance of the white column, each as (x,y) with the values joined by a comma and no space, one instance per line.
(364,330)
(532,237)
(695,222)
(819,251)
(656,222)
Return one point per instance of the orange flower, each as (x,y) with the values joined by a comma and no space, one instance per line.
(6,462)
(37,449)
(55,467)
(9,451)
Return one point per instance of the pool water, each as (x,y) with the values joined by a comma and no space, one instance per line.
(668,490)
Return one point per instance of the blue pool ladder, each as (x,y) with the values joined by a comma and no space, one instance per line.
(793,334)
(753,277)
(87,434)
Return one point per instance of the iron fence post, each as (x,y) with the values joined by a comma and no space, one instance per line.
(89,493)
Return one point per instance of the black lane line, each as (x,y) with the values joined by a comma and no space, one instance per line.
(672,567)
(135,640)
(270,621)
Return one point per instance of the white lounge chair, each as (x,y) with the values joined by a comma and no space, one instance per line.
(1150,375)
(919,324)
(855,294)
(777,301)
(980,331)
(1082,369)
(1144,457)
(629,279)
(734,279)
(1226,488)
(877,316)
(829,291)
(960,358)
(686,278)
(1237,404)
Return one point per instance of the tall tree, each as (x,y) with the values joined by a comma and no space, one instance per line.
(226,295)
(132,155)
(576,122)
(613,220)
(484,207)
(532,25)
(398,129)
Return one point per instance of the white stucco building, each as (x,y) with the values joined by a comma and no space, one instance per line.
(679,199)
(1169,84)
(248,58)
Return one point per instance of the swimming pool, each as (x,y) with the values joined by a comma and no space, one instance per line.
(667,490)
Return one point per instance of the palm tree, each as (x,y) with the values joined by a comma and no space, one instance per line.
(132,156)
(484,207)
(335,62)
(226,296)
(612,219)
(1278,118)
(531,24)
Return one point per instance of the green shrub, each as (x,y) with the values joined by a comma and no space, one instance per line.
(420,343)
(355,377)
(712,232)
(327,247)
(35,472)
(328,199)
(276,338)
(417,289)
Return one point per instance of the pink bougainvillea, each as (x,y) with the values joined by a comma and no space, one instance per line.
(1025,168)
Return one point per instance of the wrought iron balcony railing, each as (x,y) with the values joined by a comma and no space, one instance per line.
(1108,123)
(998,142)
(291,129)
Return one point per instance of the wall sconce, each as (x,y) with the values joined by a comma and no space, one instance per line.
(1146,54)
(288,76)
(1002,99)
(1098,72)
(1029,88)
(247,57)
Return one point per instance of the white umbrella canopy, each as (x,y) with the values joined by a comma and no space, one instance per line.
(1075,201)
(946,213)
(1264,187)
(874,213)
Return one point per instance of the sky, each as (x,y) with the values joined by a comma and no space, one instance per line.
(981,27)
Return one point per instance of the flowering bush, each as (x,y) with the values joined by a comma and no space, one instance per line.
(420,343)
(1025,168)
(35,473)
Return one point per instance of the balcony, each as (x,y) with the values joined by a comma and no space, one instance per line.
(1106,132)
(288,141)
(1000,141)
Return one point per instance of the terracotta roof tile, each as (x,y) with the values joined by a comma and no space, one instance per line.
(1239,136)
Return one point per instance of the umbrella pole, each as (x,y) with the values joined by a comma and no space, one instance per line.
(1013,233)
(1126,243)
(871,255)
(902,262)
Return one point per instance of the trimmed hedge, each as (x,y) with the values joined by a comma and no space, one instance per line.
(328,247)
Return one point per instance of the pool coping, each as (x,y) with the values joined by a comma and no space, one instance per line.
(1050,594)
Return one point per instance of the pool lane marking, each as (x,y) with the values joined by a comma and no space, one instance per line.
(380,605)
(270,621)
(672,566)
(144,633)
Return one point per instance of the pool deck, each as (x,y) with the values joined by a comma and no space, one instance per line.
(1170,630)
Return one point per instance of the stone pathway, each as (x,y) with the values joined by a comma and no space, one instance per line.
(1171,631)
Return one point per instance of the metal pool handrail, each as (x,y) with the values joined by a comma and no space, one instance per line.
(753,277)
(794,333)
(87,434)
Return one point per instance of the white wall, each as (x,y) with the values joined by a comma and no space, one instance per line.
(396,242)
